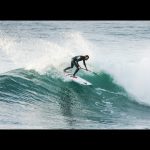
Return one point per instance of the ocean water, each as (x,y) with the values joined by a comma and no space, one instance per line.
(34,93)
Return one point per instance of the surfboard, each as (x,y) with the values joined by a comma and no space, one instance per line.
(77,79)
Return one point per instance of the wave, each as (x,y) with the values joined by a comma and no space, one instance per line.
(28,85)
(33,55)
(103,102)
(42,54)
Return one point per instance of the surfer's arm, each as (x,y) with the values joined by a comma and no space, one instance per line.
(85,64)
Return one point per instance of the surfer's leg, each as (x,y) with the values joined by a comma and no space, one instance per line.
(67,68)
(72,64)
(76,69)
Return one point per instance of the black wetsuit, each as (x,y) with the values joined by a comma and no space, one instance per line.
(74,62)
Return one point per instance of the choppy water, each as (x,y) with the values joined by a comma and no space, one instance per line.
(35,94)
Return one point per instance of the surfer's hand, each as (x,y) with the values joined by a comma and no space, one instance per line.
(79,67)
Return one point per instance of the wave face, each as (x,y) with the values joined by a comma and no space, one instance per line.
(35,94)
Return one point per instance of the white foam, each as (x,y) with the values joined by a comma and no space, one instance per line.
(128,63)
(42,55)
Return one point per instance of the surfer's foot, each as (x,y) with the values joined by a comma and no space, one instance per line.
(74,76)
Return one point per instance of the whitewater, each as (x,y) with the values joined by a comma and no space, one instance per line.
(34,94)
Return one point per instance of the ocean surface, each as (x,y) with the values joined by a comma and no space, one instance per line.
(34,93)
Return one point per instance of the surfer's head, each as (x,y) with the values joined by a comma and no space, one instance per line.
(86,57)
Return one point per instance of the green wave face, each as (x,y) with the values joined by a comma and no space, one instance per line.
(60,104)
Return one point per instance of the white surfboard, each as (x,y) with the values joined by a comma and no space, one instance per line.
(77,79)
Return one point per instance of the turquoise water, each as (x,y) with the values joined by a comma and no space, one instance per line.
(35,94)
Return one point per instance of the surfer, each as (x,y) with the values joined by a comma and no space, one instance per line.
(74,62)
